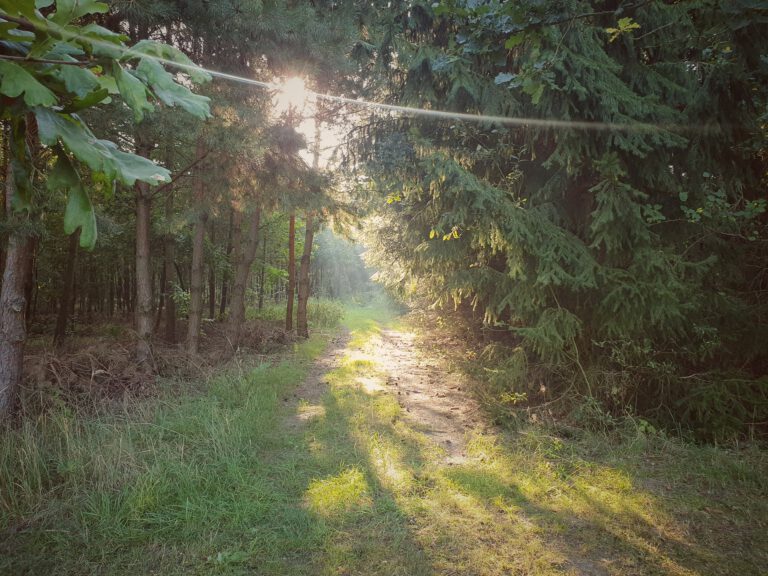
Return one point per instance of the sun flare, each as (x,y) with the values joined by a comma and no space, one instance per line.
(291,94)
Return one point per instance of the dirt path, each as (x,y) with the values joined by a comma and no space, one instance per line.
(435,401)
(313,387)
(310,392)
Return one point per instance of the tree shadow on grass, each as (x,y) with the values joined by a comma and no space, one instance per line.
(491,515)
(592,538)
(360,465)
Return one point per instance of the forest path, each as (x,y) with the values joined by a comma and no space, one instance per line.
(363,453)
(434,401)
(417,481)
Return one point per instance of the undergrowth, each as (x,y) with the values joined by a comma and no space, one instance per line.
(517,388)
(174,480)
(322,313)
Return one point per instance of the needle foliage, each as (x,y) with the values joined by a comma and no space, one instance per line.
(631,252)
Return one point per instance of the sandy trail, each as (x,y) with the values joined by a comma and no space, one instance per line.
(435,402)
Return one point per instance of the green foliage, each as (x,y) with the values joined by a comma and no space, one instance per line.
(17,81)
(625,26)
(65,68)
(649,228)
(99,155)
(338,269)
(323,313)
(173,471)
(79,212)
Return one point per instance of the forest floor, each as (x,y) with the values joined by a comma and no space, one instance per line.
(364,452)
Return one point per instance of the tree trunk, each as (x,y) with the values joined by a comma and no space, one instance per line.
(198,247)
(143,304)
(30,281)
(262,276)
(301,314)
(226,275)
(111,296)
(212,278)
(291,271)
(302,326)
(67,290)
(169,254)
(244,262)
(160,302)
(13,305)
(5,147)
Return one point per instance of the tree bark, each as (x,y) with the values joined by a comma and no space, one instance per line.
(263,274)
(169,255)
(302,326)
(198,247)
(160,302)
(5,147)
(212,278)
(291,271)
(13,305)
(244,262)
(301,314)
(226,274)
(30,281)
(67,290)
(143,276)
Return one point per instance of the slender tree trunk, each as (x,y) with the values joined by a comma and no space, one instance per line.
(225,276)
(244,262)
(169,254)
(13,305)
(143,276)
(212,278)
(263,275)
(237,248)
(67,290)
(5,147)
(302,326)
(161,301)
(179,276)
(30,281)
(111,297)
(198,246)
(291,271)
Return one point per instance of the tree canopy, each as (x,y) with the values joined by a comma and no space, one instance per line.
(584,182)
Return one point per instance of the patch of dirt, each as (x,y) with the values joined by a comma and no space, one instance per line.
(435,401)
(307,396)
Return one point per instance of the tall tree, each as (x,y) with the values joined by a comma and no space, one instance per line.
(43,93)
(198,247)
(602,221)
(291,291)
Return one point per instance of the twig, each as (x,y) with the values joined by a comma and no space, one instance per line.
(180,174)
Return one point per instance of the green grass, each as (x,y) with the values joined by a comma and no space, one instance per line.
(238,476)
(322,313)
(197,484)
